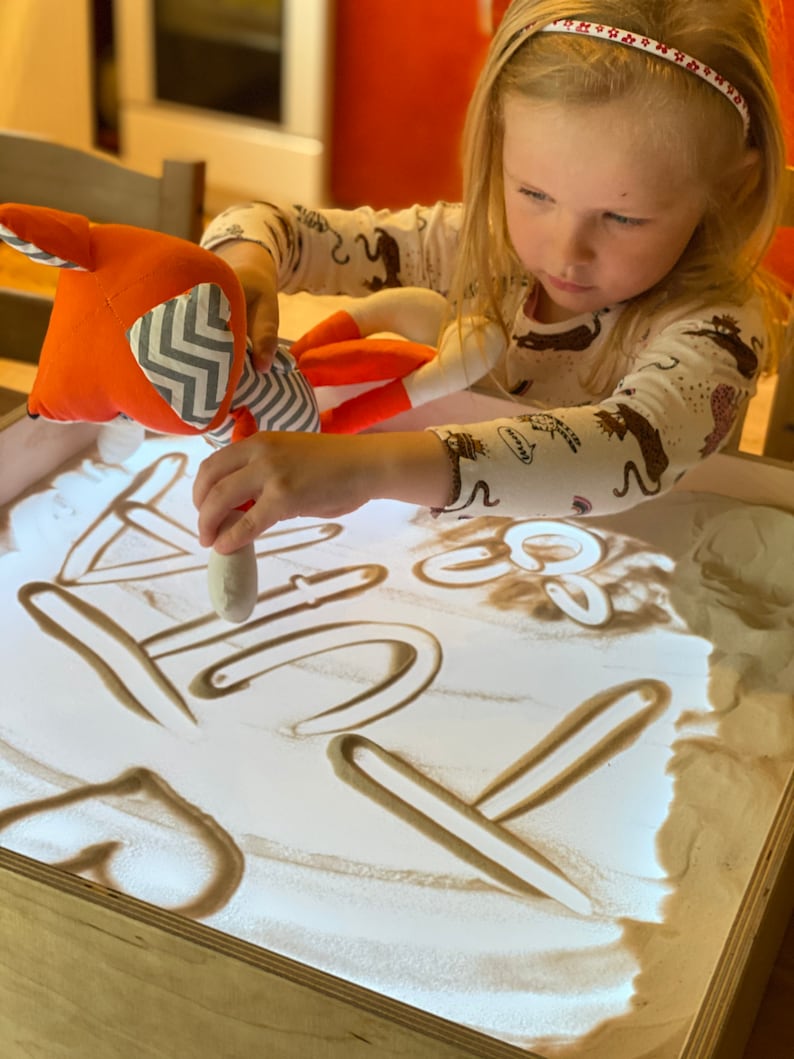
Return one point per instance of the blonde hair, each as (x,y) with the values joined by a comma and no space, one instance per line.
(723,258)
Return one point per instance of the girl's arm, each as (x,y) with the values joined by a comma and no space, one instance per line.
(256,269)
(677,404)
(321,475)
(352,252)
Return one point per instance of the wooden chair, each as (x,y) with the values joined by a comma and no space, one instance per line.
(41,173)
(779,439)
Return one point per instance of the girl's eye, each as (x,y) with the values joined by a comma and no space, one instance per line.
(536,196)
(626,222)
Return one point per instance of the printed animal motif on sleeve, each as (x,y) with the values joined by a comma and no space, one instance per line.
(629,421)
(726,333)
(669,365)
(279,236)
(315,221)
(725,402)
(552,425)
(674,403)
(387,251)
(464,446)
(340,251)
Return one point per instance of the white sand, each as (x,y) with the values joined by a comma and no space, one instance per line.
(598,721)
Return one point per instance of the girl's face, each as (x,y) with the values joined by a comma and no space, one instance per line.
(597,210)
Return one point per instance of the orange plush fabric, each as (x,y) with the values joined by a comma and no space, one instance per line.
(110,276)
(152,328)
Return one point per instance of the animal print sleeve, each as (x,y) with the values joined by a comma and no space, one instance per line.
(677,404)
(348,251)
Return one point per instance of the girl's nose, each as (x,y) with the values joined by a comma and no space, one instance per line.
(573,244)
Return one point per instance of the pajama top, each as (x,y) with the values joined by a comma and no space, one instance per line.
(565,451)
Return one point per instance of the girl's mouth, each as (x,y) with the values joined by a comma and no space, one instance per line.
(565,285)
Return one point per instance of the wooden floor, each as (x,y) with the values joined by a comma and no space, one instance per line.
(773,1033)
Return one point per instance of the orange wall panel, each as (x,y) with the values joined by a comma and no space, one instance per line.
(403,77)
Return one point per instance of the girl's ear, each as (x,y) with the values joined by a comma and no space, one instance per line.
(741,179)
(750,161)
(735,184)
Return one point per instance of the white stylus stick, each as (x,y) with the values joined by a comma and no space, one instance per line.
(451,822)
(233,583)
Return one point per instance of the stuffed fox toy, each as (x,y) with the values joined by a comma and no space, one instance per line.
(151,328)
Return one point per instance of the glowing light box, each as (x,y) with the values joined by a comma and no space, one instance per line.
(505,784)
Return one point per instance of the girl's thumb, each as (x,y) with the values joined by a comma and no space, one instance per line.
(262,334)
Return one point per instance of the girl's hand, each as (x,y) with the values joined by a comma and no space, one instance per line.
(258,277)
(320,475)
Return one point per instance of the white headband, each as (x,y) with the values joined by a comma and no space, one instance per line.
(653,47)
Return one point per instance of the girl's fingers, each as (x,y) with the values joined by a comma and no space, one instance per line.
(241,531)
(278,476)
(237,477)
(233,492)
(263,332)
(256,271)
(224,482)
(216,467)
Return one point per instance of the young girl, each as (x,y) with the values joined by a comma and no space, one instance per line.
(622,175)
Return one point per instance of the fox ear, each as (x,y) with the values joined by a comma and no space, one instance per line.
(46,236)
(185,348)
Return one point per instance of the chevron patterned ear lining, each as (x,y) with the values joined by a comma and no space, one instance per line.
(186,350)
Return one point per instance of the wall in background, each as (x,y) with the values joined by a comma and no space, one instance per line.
(781,256)
(402,77)
(45,57)
(403,74)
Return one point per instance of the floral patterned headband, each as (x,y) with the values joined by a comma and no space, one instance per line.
(653,47)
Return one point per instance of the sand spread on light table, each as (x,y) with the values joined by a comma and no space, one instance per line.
(557,733)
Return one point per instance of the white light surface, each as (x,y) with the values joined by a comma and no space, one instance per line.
(243,810)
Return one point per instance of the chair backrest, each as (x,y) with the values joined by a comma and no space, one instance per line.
(38,172)
(779,439)
(41,173)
